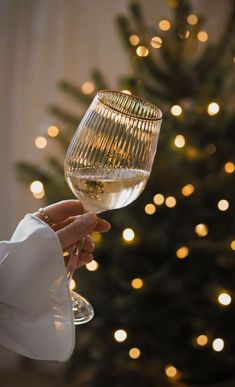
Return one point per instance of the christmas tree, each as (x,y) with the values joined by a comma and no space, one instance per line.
(163,280)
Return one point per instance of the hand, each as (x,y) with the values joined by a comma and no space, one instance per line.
(71,225)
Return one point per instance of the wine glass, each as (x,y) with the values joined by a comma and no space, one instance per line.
(110,157)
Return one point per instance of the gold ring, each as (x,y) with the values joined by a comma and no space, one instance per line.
(45,217)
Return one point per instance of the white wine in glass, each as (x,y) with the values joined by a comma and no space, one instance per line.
(110,157)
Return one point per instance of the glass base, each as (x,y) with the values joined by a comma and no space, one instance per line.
(82,309)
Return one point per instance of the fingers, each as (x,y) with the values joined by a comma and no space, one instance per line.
(88,244)
(78,229)
(102,225)
(60,211)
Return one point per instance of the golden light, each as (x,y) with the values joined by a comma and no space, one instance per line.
(229,167)
(164,25)
(173,3)
(211,149)
(92,266)
(97,237)
(182,252)
(120,335)
(201,230)
(158,199)
(72,284)
(224,298)
(170,201)
(150,209)
(234,59)
(134,353)
(202,36)
(128,234)
(88,87)
(134,40)
(232,245)
(223,205)
(213,108)
(218,344)
(39,195)
(53,131)
(171,371)
(40,142)
(137,283)
(191,152)
(36,187)
(126,92)
(179,141)
(176,110)
(188,189)
(202,340)
(192,19)
(156,42)
(142,51)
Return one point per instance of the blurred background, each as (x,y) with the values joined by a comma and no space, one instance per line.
(164,294)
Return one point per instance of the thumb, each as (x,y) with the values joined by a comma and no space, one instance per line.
(79,228)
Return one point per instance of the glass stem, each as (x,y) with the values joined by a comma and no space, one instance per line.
(73,259)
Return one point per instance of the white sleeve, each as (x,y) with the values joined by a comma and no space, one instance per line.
(36,318)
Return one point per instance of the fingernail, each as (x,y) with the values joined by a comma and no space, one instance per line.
(89,219)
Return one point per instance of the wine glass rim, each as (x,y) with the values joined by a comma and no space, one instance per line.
(134,97)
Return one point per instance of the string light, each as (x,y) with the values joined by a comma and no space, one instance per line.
(134,40)
(156,42)
(40,142)
(182,252)
(120,335)
(150,209)
(192,19)
(36,187)
(88,87)
(202,340)
(53,131)
(191,152)
(213,108)
(224,299)
(211,149)
(137,283)
(134,353)
(164,25)
(142,51)
(218,344)
(229,167)
(179,141)
(232,245)
(39,195)
(97,237)
(171,371)
(158,199)
(223,205)
(92,266)
(170,201)
(128,235)
(188,190)
(201,230)
(176,110)
(173,3)
(202,36)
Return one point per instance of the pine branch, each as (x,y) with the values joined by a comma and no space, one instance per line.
(64,115)
(75,92)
